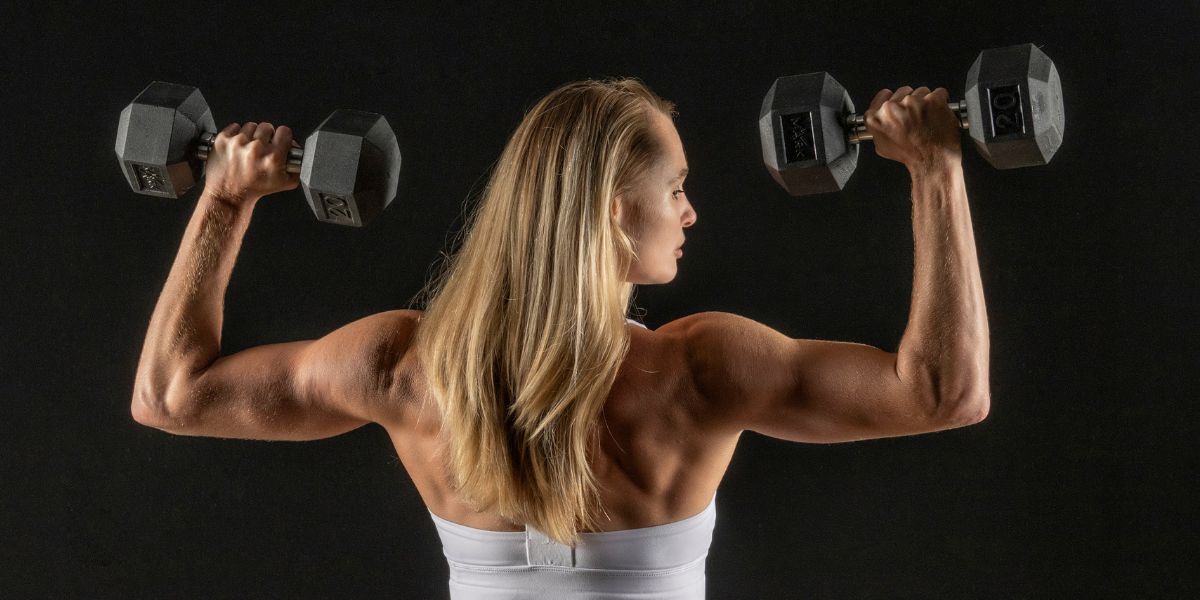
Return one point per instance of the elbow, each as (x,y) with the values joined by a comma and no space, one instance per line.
(962,395)
(968,408)
(152,411)
(147,409)
(160,404)
(954,396)
(145,406)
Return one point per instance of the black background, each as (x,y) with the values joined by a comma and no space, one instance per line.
(1079,484)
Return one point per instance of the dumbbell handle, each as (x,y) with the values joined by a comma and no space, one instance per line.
(856,123)
(204,147)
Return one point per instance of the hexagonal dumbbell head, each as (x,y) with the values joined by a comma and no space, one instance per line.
(1015,106)
(156,136)
(803,139)
(351,167)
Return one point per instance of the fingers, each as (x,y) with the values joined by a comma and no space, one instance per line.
(880,97)
(228,132)
(246,133)
(283,141)
(901,93)
(283,137)
(275,141)
(263,133)
(885,96)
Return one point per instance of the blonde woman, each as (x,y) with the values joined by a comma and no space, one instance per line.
(562,449)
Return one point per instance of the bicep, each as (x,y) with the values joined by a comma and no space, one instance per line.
(761,380)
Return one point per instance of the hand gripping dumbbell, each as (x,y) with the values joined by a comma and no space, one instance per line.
(1013,111)
(349,166)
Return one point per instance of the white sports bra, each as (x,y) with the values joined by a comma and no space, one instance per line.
(663,562)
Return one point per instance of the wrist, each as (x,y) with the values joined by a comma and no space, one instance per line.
(935,164)
(236,202)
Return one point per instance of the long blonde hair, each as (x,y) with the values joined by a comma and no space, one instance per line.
(524,329)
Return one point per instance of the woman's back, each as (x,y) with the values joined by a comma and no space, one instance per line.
(659,460)
(657,471)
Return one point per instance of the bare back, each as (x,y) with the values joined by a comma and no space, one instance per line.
(659,460)
(680,401)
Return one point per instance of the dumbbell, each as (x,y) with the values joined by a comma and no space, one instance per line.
(1013,110)
(349,166)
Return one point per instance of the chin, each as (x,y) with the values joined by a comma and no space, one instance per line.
(662,273)
(667,275)
(660,277)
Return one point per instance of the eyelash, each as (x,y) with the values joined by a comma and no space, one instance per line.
(677,192)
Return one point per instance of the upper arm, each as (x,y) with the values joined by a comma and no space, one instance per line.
(303,390)
(758,379)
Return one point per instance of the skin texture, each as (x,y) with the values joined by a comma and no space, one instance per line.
(718,374)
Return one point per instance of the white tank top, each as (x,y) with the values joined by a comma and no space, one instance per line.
(664,562)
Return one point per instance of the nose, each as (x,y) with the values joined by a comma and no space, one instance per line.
(689,216)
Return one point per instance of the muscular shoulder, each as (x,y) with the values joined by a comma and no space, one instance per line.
(380,345)
(742,368)
(700,337)
(382,339)
(394,326)
(699,341)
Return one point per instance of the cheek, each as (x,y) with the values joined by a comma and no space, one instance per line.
(641,224)
(667,225)
(650,226)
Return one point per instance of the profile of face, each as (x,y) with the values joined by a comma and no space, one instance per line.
(655,211)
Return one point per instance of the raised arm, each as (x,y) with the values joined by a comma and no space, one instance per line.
(296,391)
(292,391)
(758,379)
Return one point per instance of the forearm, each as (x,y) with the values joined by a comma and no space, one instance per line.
(945,347)
(184,335)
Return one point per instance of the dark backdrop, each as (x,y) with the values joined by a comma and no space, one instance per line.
(1079,484)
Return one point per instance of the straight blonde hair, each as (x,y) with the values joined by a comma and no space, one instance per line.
(524,330)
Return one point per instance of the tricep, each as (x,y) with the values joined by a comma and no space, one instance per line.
(758,379)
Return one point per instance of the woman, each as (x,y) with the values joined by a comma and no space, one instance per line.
(562,449)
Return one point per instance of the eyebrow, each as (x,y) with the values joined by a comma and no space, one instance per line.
(681,174)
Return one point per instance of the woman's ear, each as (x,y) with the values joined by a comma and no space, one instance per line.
(618,209)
